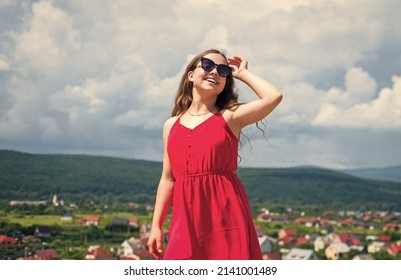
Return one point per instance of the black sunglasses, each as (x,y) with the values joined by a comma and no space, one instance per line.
(208,65)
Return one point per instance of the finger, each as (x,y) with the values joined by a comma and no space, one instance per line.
(155,253)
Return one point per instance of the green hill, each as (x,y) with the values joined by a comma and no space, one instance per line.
(113,180)
(392,173)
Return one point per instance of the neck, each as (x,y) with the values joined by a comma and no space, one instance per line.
(203,104)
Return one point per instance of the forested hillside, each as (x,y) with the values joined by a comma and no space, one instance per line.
(113,180)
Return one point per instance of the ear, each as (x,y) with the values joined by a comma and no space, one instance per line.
(190,76)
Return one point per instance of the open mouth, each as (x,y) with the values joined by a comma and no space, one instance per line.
(212,81)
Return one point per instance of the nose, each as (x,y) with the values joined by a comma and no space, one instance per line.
(214,70)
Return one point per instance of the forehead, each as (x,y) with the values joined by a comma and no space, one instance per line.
(217,58)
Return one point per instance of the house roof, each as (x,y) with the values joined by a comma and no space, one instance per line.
(272,256)
(299,254)
(363,257)
(340,247)
(119,221)
(289,232)
(302,240)
(394,248)
(46,254)
(287,239)
(385,238)
(101,252)
(43,230)
(91,218)
(7,239)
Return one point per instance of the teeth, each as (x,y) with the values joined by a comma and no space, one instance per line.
(212,81)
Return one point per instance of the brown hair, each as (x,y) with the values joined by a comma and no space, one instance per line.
(228,98)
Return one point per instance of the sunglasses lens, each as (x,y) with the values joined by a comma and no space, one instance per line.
(208,65)
(223,70)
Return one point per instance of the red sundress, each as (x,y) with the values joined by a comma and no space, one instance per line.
(211,217)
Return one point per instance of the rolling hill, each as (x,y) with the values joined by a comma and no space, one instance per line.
(113,180)
(392,173)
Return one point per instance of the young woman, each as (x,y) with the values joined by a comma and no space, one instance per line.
(211,216)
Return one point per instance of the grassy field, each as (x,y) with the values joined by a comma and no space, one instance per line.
(51,220)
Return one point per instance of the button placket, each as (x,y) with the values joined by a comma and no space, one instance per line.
(190,153)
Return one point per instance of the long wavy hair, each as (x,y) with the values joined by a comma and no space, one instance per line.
(227,99)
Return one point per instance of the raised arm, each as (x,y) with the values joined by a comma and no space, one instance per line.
(254,111)
(163,198)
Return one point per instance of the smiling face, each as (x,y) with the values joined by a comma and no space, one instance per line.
(211,81)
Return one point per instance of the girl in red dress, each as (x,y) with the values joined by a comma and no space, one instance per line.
(211,216)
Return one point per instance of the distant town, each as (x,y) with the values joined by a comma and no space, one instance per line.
(47,230)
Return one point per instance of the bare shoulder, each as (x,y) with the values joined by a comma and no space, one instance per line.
(228,115)
(169,123)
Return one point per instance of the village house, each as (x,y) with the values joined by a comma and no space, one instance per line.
(300,254)
(119,221)
(133,222)
(7,243)
(272,256)
(391,227)
(376,246)
(363,257)
(42,232)
(67,217)
(95,252)
(394,249)
(46,255)
(326,228)
(336,251)
(90,220)
(134,249)
(384,238)
(144,230)
(266,243)
(352,240)
(319,243)
(287,232)
(309,221)
(28,202)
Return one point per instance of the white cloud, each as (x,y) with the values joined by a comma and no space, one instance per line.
(4,3)
(47,42)
(382,112)
(4,64)
(50,129)
(103,72)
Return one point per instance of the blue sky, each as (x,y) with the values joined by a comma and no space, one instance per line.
(99,77)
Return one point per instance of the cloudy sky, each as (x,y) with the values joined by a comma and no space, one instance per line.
(99,77)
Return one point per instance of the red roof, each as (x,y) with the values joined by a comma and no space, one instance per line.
(345,237)
(391,227)
(287,239)
(272,256)
(289,232)
(7,239)
(385,238)
(302,240)
(91,218)
(325,221)
(101,253)
(347,221)
(395,249)
(46,254)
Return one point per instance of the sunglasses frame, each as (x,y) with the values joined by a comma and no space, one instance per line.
(220,67)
